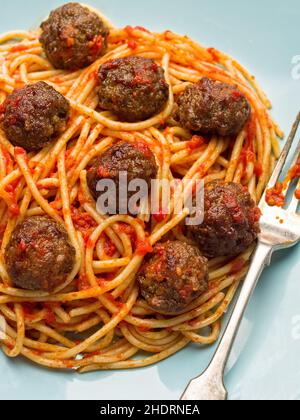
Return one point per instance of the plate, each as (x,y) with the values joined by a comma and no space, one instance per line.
(265,362)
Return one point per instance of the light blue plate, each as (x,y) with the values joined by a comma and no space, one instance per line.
(264,36)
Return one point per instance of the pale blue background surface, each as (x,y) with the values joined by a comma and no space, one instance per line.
(264,36)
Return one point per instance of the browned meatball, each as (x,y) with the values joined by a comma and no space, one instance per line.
(134,88)
(34,115)
(231,220)
(137,160)
(211,107)
(39,255)
(173,277)
(73,37)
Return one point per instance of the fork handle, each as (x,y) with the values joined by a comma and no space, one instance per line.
(214,375)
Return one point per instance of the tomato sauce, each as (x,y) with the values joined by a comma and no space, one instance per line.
(143,247)
(294,172)
(18,48)
(258,169)
(92,354)
(96,45)
(237,266)
(215,55)
(132,44)
(196,142)
(168,35)
(22,246)
(109,248)
(160,216)
(82,221)
(101,281)
(14,210)
(255,215)
(144,328)
(115,302)
(247,155)
(50,317)
(202,171)
(7,159)
(83,283)
(28,310)
(236,210)
(89,242)
(141,28)
(102,172)
(236,94)
(93,75)
(128,230)
(274,196)
(143,147)
(19,151)
(129,30)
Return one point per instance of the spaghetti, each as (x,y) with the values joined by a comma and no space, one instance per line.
(96,320)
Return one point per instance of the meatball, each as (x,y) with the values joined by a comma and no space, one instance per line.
(73,37)
(211,107)
(134,88)
(39,255)
(34,115)
(231,221)
(137,160)
(173,277)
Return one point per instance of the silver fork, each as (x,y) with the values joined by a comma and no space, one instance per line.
(280,229)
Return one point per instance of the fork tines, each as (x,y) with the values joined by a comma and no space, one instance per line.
(281,164)
(284,154)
